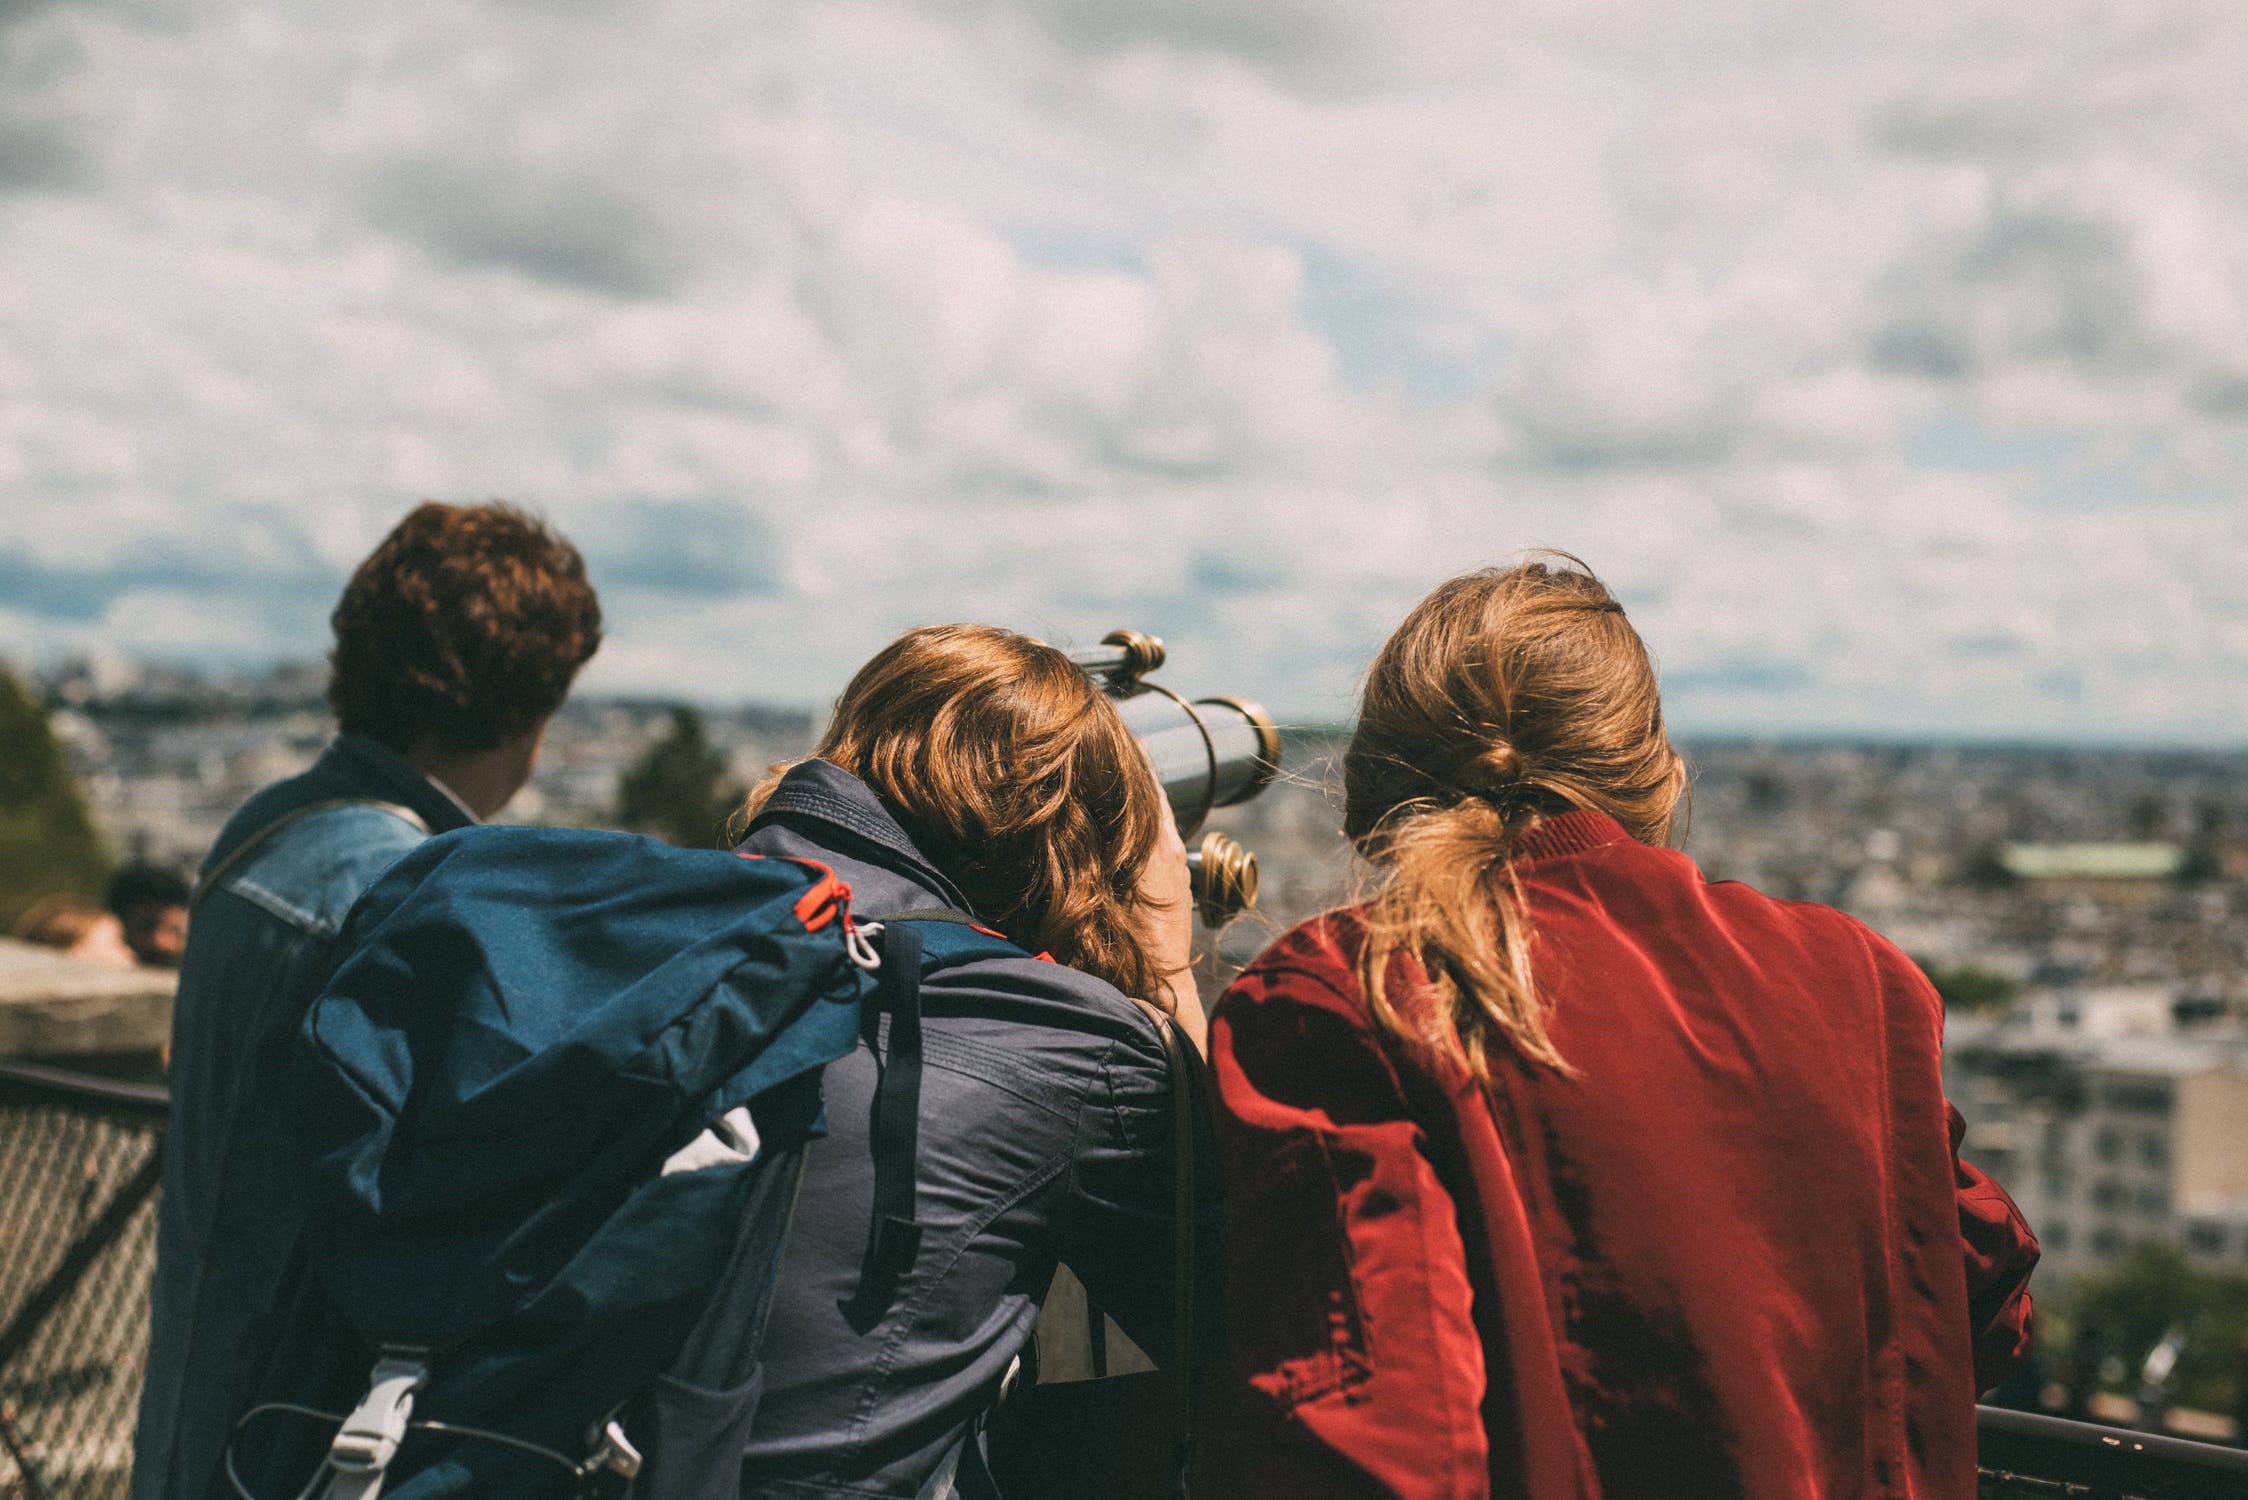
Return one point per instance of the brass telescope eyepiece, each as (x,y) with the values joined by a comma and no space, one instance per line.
(1224,878)
(1212,752)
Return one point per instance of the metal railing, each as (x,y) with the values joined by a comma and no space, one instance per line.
(78,1174)
(2029,1457)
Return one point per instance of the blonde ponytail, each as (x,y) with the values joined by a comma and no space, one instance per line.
(1452,901)
(1507,696)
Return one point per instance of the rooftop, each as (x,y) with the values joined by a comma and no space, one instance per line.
(2143,861)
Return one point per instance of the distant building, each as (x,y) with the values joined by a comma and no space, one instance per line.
(2110,1125)
(2128,874)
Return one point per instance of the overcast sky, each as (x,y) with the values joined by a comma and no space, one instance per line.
(1890,360)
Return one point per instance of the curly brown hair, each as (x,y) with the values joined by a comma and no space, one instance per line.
(467,625)
(1013,774)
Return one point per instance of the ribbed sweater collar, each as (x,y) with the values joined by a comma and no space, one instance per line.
(1570,833)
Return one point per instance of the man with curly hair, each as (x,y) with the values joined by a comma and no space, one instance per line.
(456,641)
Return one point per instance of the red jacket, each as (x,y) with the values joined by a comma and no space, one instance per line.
(1737,1256)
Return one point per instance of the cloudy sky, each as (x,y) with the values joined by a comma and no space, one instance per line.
(1891,360)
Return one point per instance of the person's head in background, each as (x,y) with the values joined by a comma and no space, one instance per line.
(150,905)
(78,928)
(1015,777)
(456,641)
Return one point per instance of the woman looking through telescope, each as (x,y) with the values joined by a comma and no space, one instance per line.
(972,771)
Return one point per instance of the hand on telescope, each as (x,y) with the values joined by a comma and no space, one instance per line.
(1168,894)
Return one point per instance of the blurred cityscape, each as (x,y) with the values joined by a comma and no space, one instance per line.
(2081,910)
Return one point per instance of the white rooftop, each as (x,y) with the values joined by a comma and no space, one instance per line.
(2145,861)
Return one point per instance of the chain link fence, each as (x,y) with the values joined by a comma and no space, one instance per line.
(78,1174)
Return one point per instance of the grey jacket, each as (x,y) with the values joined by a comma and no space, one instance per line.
(1045,1137)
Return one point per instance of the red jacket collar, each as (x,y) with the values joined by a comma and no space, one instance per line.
(1570,833)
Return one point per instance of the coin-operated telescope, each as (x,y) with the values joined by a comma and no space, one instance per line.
(1212,752)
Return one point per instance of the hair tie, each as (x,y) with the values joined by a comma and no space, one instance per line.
(1506,801)
(1500,764)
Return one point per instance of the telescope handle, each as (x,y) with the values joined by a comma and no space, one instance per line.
(1123,656)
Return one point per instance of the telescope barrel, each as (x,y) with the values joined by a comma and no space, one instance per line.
(1212,752)
(1244,748)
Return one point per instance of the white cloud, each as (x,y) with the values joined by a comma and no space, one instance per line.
(1891,364)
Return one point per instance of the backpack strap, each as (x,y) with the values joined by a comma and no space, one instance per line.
(951,916)
(1179,1368)
(897,1098)
(359,1457)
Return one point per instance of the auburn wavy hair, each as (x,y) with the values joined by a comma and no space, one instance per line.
(466,624)
(1013,774)
(1507,695)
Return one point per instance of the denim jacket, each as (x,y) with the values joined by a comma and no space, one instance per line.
(1045,1137)
(275,890)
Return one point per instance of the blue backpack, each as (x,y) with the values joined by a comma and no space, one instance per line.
(553,1105)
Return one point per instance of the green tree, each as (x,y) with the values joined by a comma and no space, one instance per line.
(2150,817)
(1984,868)
(678,789)
(1970,987)
(2205,854)
(48,843)
(2152,1290)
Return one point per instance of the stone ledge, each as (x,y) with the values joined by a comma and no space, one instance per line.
(52,1006)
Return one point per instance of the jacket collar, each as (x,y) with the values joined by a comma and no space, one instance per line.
(1571,832)
(820,799)
(382,772)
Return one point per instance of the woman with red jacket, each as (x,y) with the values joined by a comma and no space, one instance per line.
(1556,1170)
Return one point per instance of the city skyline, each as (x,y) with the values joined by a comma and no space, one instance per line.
(262,688)
(1889,366)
